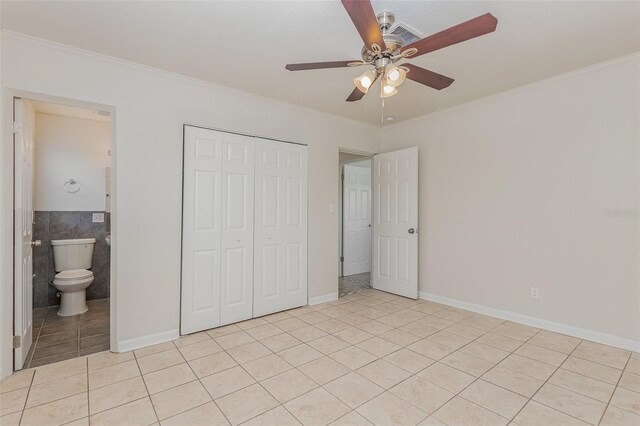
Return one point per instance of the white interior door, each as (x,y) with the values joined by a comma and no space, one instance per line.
(201,230)
(395,222)
(280,272)
(356,226)
(23,220)
(237,229)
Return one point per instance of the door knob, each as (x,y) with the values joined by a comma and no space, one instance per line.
(412,231)
(268,237)
(36,243)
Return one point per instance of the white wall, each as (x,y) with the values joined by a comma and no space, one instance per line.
(70,148)
(516,190)
(150,110)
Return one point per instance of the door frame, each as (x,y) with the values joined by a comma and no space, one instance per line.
(7,244)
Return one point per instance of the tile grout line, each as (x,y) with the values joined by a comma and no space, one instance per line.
(615,389)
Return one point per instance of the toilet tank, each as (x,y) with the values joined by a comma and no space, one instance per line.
(72,254)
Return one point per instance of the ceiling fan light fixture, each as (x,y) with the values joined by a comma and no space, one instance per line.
(386,90)
(394,75)
(365,80)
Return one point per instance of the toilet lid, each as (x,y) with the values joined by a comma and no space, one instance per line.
(74,274)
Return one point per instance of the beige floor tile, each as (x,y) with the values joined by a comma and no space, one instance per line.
(431,421)
(252,323)
(501,342)
(374,327)
(119,393)
(233,340)
(113,373)
(467,363)
(515,381)
(486,352)
(626,400)
(57,389)
(167,378)
(154,349)
(246,404)
(280,342)
(328,344)
(515,331)
(539,353)
(317,407)
(614,416)
(383,373)
(450,315)
(422,394)
(331,326)
(307,333)
(630,381)
(448,339)
(11,419)
(59,370)
(200,349)
(528,366)
(372,313)
(408,360)
(223,331)
(313,317)
(353,335)
(420,329)
(582,384)
(483,322)
(135,413)
(279,316)
(400,337)
(353,357)
(353,389)
(105,359)
(57,412)
(18,380)
(459,411)
(227,381)
(324,370)
(278,416)
(494,398)
(431,349)
(446,377)
(160,360)
(378,347)
(179,399)
(465,331)
(266,367)
(249,352)
(300,354)
(13,401)
(212,364)
(536,414)
(290,324)
(574,404)
(351,419)
(633,366)
(555,341)
(592,369)
(264,331)
(288,385)
(191,339)
(204,415)
(388,409)
(393,320)
(603,354)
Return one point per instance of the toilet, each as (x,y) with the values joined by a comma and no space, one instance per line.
(72,261)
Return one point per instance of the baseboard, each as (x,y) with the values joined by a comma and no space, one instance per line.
(322,299)
(595,336)
(142,342)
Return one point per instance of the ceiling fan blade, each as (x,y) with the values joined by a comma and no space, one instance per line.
(357,94)
(320,65)
(428,78)
(467,30)
(364,18)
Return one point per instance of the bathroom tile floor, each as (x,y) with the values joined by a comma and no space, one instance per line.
(58,338)
(354,283)
(367,358)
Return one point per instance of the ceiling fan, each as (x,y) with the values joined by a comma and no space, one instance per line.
(382,49)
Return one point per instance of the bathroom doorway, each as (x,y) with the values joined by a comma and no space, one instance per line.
(62,221)
(355,223)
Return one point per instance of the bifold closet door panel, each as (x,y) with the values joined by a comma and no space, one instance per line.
(280,234)
(201,230)
(237,229)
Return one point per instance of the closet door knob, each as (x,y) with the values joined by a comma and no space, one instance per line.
(268,237)
(238,240)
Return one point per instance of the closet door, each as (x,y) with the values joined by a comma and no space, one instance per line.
(237,229)
(280,235)
(201,230)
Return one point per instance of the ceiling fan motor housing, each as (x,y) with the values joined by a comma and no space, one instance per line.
(393,42)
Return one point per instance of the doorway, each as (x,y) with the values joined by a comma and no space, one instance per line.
(62,226)
(355,223)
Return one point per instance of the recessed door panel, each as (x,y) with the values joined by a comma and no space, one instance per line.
(205,277)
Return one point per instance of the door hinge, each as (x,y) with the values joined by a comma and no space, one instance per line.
(342,176)
(17,127)
(17,342)
(341,258)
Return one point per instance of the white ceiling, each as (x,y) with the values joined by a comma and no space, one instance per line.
(245,44)
(69,111)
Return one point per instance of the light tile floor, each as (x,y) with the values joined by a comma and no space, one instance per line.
(367,358)
(354,283)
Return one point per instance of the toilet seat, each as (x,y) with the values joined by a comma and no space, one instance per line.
(73,275)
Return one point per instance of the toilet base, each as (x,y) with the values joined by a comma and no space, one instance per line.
(73,303)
